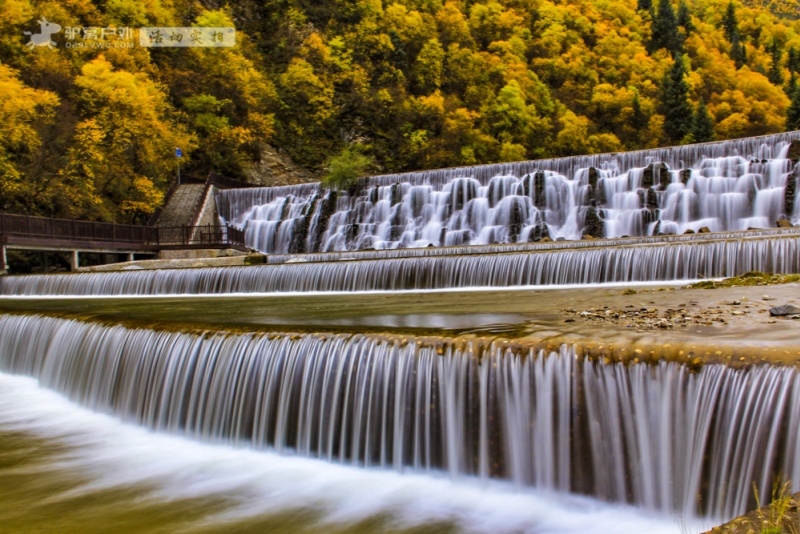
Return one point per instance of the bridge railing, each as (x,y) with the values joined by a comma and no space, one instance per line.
(70,232)
(209,235)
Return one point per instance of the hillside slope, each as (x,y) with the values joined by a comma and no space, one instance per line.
(90,131)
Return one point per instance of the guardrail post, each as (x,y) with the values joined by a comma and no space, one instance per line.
(74,261)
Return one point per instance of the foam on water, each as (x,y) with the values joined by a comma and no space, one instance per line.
(114,455)
(257,295)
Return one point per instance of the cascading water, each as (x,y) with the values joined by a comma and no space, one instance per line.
(666,262)
(661,436)
(725,186)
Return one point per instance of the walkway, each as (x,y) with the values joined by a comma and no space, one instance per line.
(68,235)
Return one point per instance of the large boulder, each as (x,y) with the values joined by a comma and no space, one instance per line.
(593,223)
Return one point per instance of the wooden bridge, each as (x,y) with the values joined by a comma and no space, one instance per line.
(68,235)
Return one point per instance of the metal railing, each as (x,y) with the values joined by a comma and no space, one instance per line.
(70,232)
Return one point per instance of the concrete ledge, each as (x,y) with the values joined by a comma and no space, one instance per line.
(178,259)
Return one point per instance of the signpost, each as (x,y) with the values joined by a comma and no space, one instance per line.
(179,155)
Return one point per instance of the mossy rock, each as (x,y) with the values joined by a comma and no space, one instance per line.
(255,259)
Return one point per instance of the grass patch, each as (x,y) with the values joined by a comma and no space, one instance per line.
(776,518)
(753,278)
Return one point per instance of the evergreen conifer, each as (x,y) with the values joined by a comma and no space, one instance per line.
(791,86)
(665,30)
(702,125)
(675,105)
(793,60)
(793,113)
(775,74)
(684,18)
(730,24)
(639,119)
(738,52)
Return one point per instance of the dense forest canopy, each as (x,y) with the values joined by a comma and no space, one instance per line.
(90,132)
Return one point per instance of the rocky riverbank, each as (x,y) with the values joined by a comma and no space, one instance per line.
(780,517)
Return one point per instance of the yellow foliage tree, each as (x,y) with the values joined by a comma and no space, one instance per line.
(22,110)
(130,140)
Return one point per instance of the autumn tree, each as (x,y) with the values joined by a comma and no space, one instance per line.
(23,111)
(123,153)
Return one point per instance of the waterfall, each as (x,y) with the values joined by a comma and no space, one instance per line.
(662,436)
(643,263)
(723,186)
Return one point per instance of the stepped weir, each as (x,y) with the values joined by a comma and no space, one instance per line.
(529,408)
(660,436)
(724,186)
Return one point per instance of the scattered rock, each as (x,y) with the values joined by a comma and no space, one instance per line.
(784,223)
(783,310)
(704,230)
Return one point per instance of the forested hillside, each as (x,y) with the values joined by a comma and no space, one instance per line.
(90,132)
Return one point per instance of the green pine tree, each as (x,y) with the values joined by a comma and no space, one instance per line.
(730,24)
(675,105)
(639,119)
(702,125)
(664,32)
(738,51)
(775,74)
(684,18)
(793,60)
(793,113)
(644,5)
(791,86)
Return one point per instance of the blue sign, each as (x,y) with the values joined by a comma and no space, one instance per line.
(178,153)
